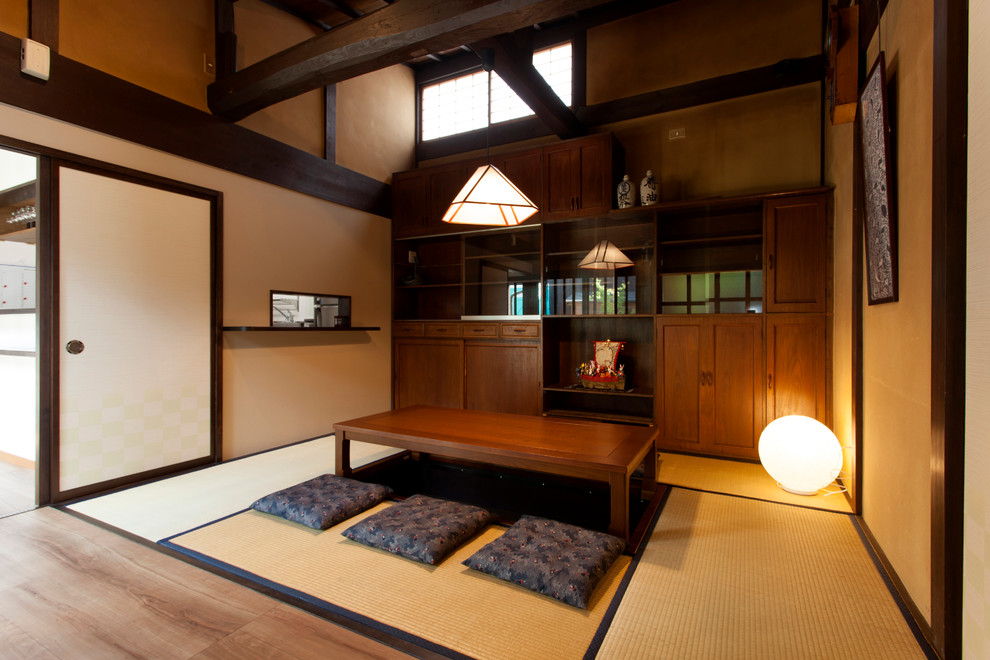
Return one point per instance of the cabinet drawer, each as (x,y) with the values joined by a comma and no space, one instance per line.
(408,330)
(441,330)
(520,329)
(479,330)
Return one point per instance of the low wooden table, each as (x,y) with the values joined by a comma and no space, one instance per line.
(572,448)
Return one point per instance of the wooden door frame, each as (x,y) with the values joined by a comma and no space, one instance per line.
(48,491)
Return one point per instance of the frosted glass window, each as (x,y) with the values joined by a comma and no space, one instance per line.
(674,287)
(732,285)
(460,105)
(702,286)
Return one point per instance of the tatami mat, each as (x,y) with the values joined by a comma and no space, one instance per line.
(728,577)
(449,604)
(163,508)
(739,478)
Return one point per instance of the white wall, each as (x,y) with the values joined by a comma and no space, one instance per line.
(976,554)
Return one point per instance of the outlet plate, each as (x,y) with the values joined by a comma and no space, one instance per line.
(209,64)
(677,134)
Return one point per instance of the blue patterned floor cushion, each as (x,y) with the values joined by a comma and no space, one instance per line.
(323,501)
(422,528)
(555,559)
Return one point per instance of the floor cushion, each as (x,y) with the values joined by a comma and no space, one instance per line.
(323,501)
(555,559)
(422,528)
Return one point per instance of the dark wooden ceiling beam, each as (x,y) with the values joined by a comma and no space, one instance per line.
(225,40)
(786,73)
(391,35)
(81,95)
(514,64)
(342,7)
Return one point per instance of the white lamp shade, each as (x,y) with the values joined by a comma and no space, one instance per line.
(605,256)
(801,453)
(489,198)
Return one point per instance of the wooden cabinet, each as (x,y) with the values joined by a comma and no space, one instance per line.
(428,372)
(502,377)
(796,246)
(579,176)
(710,372)
(525,170)
(797,366)
(477,365)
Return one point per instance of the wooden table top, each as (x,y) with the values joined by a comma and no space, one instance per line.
(581,443)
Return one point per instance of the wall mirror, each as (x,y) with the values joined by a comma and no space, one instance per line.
(310,310)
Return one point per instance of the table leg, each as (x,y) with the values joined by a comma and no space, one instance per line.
(342,465)
(650,473)
(619,494)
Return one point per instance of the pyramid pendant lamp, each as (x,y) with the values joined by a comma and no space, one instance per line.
(605,256)
(489,198)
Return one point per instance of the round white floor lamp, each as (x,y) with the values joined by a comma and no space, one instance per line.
(801,453)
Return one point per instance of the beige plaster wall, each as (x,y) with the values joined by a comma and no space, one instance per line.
(376,122)
(285,389)
(839,173)
(976,557)
(14,18)
(156,45)
(685,42)
(262,31)
(160,45)
(756,143)
(897,336)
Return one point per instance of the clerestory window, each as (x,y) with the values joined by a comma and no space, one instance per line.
(460,104)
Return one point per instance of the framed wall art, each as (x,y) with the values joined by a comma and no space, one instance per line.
(878,195)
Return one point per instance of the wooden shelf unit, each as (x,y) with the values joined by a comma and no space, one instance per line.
(748,274)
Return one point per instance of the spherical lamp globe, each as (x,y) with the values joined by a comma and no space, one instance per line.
(801,453)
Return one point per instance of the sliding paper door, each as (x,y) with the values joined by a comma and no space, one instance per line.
(135,326)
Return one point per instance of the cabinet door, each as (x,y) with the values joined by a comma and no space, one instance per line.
(408,204)
(735,385)
(443,184)
(429,373)
(578,177)
(797,376)
(561,183)
(594,194)
(682,353)
(797,254)
(525,170)
(502,378)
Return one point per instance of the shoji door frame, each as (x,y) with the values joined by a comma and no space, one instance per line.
(49,162)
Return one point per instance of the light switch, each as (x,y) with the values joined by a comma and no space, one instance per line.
(35,59)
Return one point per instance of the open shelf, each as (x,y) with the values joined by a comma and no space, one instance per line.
(287,328)
(600,416)
(577,387)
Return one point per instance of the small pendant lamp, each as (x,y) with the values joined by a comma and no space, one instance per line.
(489,198)
(605,256)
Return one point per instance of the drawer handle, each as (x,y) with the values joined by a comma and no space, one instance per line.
(519,329)
(477,329)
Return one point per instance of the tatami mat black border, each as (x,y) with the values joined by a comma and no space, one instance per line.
(596,641)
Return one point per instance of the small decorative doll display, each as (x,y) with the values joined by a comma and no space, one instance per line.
(604,371)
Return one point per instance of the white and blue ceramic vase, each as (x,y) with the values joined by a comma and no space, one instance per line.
(625,193)
(649,190)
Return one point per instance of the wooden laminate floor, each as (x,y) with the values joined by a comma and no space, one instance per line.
(69,589)
(16,489)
